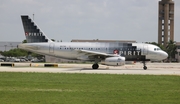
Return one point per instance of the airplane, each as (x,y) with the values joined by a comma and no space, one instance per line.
(107,53)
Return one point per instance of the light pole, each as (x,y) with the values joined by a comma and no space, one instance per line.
(5,47)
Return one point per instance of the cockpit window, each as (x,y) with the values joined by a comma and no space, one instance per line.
(157,49)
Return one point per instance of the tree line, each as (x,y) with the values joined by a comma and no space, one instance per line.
(19,52)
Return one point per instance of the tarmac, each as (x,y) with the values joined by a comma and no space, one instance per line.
(134,69)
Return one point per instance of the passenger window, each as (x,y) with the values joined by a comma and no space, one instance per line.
(154,49)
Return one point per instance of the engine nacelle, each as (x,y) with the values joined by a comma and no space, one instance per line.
(114,61)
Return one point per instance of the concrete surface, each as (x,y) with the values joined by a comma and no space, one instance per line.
(153,69)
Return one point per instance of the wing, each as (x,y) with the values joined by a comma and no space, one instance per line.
(94,54)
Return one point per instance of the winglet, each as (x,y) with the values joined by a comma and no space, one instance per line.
(32,31)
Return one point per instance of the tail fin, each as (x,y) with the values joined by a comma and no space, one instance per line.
(32,32)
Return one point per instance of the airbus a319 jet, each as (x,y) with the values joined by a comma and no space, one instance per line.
(107,53)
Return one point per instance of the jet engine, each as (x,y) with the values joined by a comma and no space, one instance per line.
(114,61)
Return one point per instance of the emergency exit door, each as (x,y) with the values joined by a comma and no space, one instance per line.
(51,48)
(145,49)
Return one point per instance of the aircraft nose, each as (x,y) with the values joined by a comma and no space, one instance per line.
(164,55)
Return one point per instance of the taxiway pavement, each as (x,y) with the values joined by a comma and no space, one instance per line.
(153,69)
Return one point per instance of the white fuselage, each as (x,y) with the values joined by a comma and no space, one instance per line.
(69,50)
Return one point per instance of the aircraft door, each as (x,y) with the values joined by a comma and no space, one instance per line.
(51,48)
(145,49)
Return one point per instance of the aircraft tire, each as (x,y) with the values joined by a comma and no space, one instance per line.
(145,67)
(95,66)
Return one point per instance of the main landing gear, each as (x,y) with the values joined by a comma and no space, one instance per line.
(95,66)
(144,64)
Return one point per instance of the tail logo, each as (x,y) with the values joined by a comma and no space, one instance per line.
(34,34)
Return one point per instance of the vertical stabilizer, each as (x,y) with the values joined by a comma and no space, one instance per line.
(32,31)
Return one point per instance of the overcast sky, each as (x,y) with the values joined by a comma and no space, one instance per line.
(85,19)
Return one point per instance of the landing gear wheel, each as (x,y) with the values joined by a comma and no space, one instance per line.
(145,67)
(95,66)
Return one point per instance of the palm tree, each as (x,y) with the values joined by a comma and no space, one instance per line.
(171,49)
(24,41)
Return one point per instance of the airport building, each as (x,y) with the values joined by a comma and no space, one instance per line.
(97,40)
(165,22)
(56,60)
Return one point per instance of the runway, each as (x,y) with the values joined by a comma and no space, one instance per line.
(153,69)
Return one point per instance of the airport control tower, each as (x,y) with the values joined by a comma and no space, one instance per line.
(166,22)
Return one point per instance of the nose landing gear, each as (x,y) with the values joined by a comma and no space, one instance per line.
(144,64)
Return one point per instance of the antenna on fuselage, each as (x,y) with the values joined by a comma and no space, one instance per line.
(33,16)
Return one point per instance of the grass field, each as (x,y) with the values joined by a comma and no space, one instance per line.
(56,88)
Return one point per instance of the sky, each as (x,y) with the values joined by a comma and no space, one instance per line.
(85,19)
